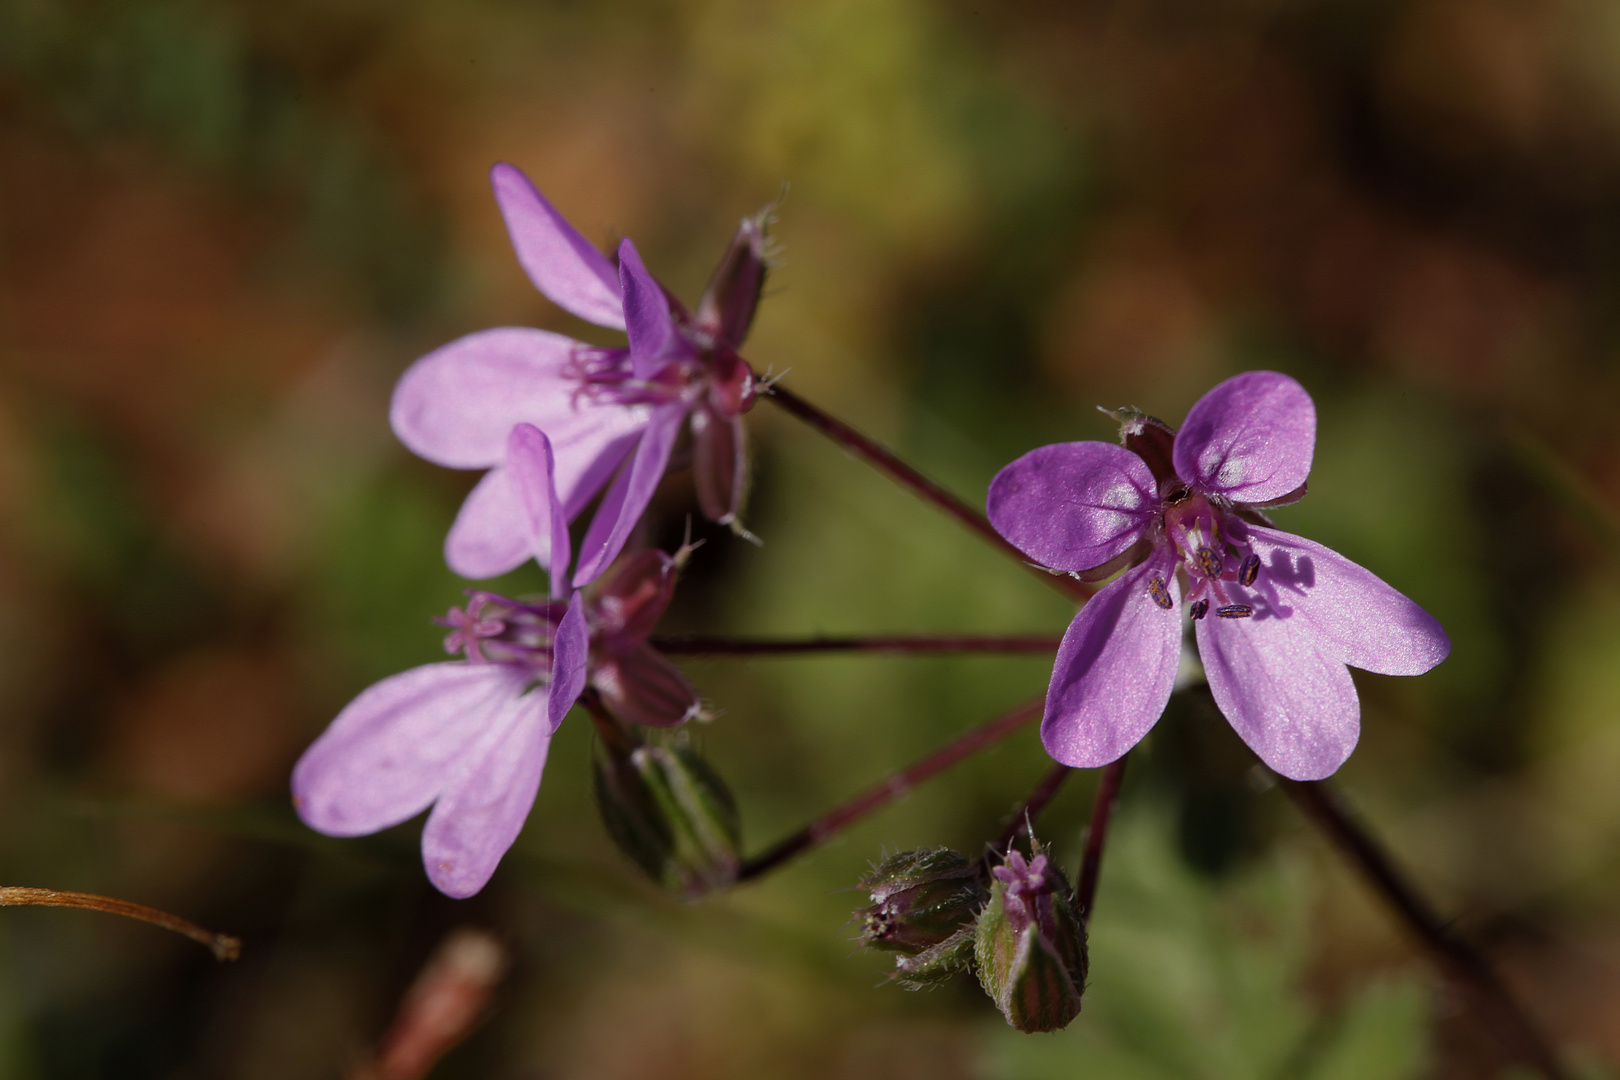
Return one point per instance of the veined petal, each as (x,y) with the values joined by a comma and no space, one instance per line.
(488,798)
(391,750)
(1115,668)
(1355,616)
(1250,438)
(629,495)
(654,340)
(491,533)
(532,471)
(1288,698)
(563,265)
(570,653)
(1073,506)
(456,405)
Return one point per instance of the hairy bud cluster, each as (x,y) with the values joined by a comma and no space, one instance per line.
(1016,925)
(923,907)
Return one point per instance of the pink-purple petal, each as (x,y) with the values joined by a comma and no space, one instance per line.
(456,405)
(1115,669)
(1355,616)
(531,470)
(491,532)
(571,647)
(629,494)
(1251,438)
(1286,696)
(488,797)
(563,265)
(648,322)
(1073,506)
(386,756)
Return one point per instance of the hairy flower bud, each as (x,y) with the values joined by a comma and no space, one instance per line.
(924,904)
(1030,947)
(672,814)
(920,898)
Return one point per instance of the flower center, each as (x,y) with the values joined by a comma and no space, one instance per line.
(494,630)
(1209,545)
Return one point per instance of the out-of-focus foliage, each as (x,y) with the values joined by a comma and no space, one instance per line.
(226,228)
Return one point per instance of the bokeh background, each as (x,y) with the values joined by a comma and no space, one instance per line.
(226,228)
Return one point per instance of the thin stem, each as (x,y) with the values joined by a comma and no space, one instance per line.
(1024,818)
(1097,835)
(884,460)
(1458,960)
(223,946)
(892,643)
(881,795)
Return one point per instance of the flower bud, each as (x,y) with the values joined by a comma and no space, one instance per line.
(920,898)
(1030,948)
(672,814)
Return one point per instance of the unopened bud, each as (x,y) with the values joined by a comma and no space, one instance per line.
(1030,947)
(923,906)
(920,898)
(672,814)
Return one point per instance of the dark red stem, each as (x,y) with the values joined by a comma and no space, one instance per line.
(881,795)
(1097,835)
(894,643)
(884,460)
(1023,820)
(1458,960)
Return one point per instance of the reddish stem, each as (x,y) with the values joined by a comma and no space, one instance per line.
(1458,960)
(881,795)
(884,460)
(1023,820)
(894,643)
(1102,810)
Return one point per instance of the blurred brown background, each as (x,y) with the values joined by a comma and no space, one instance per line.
(225,228)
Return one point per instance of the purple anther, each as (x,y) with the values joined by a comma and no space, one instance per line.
(1234,611)
(1160,593)
(1200,609)
(1248,569)
(1210,562)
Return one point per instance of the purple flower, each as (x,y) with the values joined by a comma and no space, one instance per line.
(612,414)
(469,737)
(1277,617)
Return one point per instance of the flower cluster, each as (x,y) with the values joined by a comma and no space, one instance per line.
(557,423)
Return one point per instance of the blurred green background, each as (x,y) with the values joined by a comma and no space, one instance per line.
(226,228)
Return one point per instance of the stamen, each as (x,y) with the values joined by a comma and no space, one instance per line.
(1234,611)
(1160,593)
(1210,562)
(1248,569)
(1200,609)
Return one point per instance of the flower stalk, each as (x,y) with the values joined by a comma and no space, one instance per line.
(887,462)
(882,794)
(223,946)
(1113,775)
(902,644)
(1495,1005)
